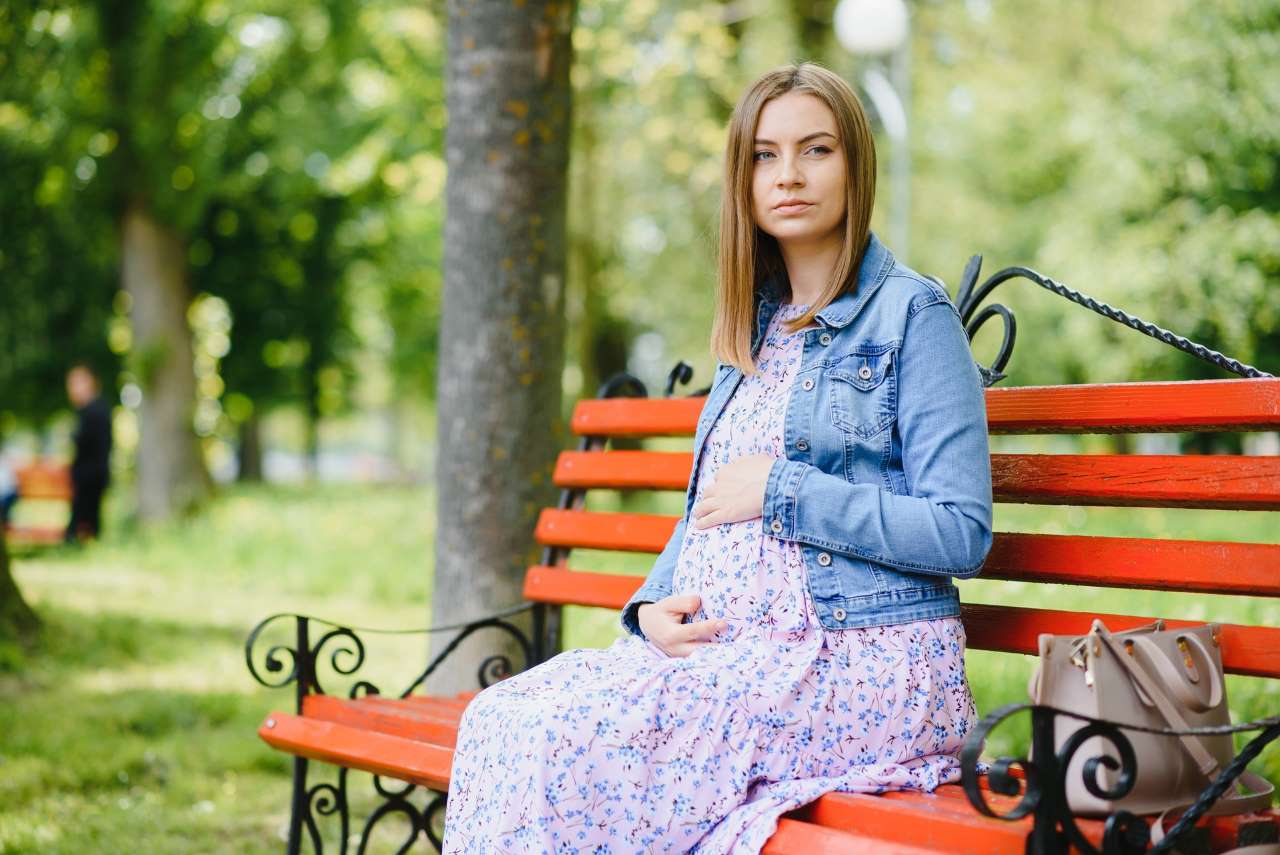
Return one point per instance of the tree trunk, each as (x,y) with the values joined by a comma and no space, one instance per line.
(17,620)
(501,341)
(171,474)
(250,430)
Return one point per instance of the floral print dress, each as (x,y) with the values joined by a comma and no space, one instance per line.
(627,750)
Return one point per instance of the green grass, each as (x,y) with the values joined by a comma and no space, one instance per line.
(129,727)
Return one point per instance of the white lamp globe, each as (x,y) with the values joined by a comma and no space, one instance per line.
(871,26)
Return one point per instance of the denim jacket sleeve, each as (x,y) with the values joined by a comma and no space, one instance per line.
(658,583)
(943,525)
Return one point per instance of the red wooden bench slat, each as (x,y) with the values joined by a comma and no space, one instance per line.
(1220,567)
(559,586)
(597,530)
(1251,650)
(1213,567)
(1207,481)
(27,535)
(380,753)
(43,481)
(1235,405)
(1198,405)
(1148,480)
(390,716)
(624,470)
(927,821)
(794,837)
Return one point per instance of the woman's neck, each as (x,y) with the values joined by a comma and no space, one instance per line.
(809,267)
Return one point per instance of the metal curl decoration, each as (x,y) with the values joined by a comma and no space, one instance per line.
(326,800)
(999,778)
(357,652)
(515,632)
(271,660)
(438,805)
(362,689)
(971,295)
(493,669)
(1127,765)
(395,801)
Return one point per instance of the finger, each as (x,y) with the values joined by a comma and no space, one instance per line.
(706,506)
(682,604)
(715,518)
(703,630)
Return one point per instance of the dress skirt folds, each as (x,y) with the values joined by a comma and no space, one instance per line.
(627,750)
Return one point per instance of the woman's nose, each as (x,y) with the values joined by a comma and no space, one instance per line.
(789,174)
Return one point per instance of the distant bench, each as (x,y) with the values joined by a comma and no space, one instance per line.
(411,737)
(41,481)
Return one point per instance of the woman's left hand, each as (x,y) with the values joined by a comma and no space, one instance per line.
(737,493)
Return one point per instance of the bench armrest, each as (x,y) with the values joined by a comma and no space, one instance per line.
(283,663)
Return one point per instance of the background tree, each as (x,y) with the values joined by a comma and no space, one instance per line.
(502,329)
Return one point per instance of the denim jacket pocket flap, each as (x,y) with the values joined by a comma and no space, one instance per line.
(865,371)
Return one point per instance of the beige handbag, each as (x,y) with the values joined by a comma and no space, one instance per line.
(1149,677)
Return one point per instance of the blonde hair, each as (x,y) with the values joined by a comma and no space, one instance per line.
(748,256)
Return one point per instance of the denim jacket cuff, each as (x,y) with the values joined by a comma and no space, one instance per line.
(648,593)
(778,515)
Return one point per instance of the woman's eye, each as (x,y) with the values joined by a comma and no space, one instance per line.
(759,155)
(821,149)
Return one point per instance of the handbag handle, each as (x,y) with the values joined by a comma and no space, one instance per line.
(1178,681)
(1205,760)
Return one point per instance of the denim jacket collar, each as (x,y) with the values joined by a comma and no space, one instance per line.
(877,261)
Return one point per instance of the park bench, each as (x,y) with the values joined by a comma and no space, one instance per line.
(40,481)
(410,737)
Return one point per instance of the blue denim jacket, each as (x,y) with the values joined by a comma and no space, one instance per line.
(886,483)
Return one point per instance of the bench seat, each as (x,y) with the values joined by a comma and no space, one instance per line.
(412,739)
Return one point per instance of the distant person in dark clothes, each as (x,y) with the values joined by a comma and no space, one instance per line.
(8,489)
(91,470)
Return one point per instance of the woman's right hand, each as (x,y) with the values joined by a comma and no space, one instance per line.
(662,624)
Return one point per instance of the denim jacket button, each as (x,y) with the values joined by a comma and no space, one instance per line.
(839,614)
(807,384)
(802,444)
(824,558)
(824,339)
(776,526)
(865,372)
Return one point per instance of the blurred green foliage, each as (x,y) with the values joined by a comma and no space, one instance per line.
(1127,150)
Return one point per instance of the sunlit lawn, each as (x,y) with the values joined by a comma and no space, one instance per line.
(131,726)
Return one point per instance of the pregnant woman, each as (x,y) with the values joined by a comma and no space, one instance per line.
(800,632)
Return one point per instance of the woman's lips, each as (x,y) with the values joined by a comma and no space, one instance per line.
(793,209)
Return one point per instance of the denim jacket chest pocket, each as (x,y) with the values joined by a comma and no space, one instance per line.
(863,390)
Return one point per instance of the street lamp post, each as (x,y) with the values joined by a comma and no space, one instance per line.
(882,28)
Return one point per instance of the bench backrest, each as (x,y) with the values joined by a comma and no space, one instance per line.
(41,480)
(1243,482)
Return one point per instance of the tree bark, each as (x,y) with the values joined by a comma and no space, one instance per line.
(250,456)
(18,622)
(171,474)
(502,329)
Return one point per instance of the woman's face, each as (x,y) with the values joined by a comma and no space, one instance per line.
(798,189)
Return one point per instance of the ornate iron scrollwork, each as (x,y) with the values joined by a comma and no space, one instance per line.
(343,652)
(971,295)
(1043,785)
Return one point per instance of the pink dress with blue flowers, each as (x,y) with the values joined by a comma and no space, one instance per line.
(627,750)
